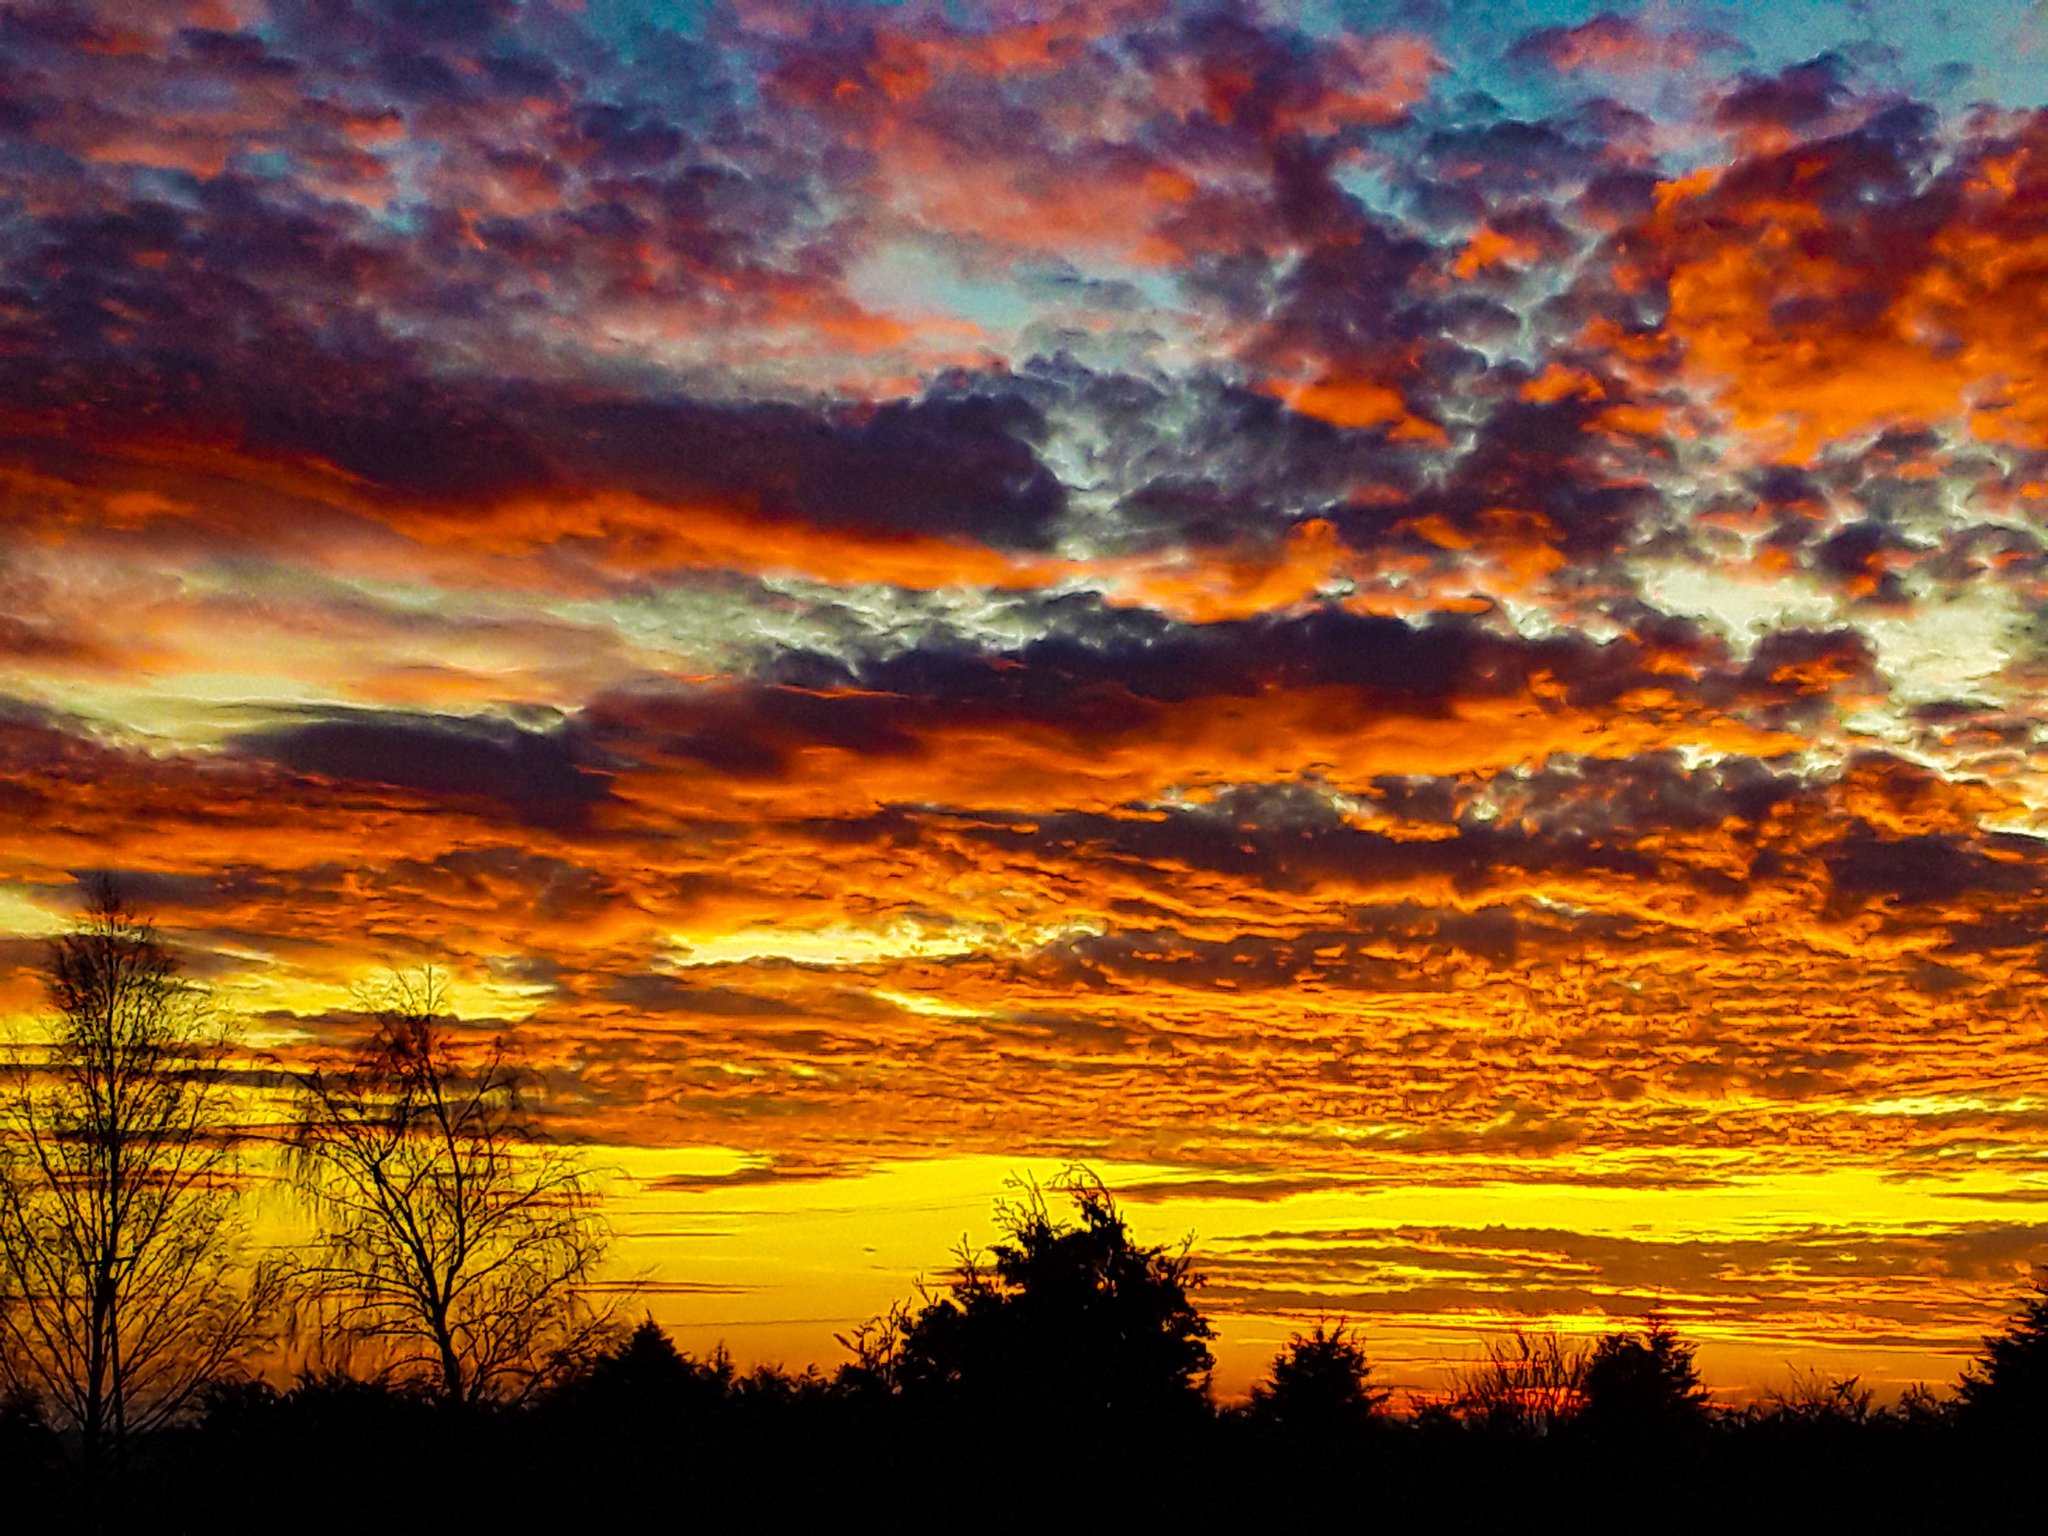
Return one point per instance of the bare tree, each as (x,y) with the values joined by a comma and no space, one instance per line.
(455,1240)
(122,1293)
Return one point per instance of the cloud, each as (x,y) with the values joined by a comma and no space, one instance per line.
(1858,248)
(1920,1284)
(1621,45)
(535,774)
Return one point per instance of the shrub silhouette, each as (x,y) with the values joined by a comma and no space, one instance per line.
(1064,1320)
(1527,1383)
(1815,1400)
(1318,1383)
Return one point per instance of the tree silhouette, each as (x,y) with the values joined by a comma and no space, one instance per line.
(645,1366)
(1318,1383)
(1064,1320)
(2007,1384)
(1641,1387)
(454,1239)
(642,1383)
(122,1294)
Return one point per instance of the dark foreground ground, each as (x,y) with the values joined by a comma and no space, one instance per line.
(350,1459)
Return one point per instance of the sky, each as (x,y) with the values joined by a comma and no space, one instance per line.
(1414,629)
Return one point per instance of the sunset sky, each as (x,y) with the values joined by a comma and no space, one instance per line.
(1415,628)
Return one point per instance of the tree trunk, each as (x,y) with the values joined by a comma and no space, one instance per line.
(451,1363)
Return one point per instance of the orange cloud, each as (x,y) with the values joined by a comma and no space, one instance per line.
(1621,45)
(1812,321)
(1346,400)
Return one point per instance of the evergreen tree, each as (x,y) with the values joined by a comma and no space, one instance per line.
(1643,1386)
(1065,1320)
(2007,1384)
(1319,1382)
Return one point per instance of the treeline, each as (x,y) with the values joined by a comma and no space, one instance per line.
(456,1371)
(1061,1382)
(450,1248)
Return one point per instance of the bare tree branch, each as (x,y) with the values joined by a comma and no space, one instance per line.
(122,1293)
(454,1238)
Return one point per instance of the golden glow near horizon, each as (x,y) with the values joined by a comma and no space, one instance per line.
(1420,643)
(1761,1270)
